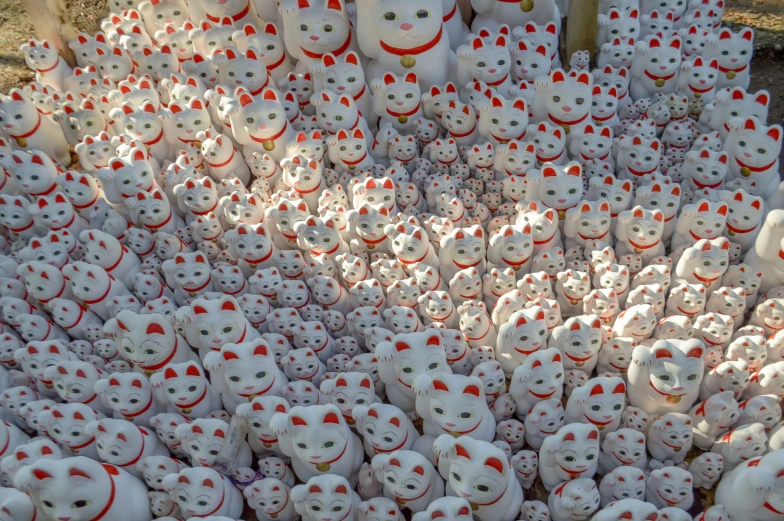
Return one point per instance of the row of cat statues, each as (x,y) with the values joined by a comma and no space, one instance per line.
(329,261)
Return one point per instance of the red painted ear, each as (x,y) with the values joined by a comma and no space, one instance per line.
(569,437)
(597,389)
(331,417)
(593,435)
(496,464)
(472,390)
(619,389)
(155,328)
(41,475)
(460,451)
(192,370)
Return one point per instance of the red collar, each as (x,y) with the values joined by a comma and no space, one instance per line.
(586,238)
(17,230)
(399,114)
(102,297)
(450,161)
(205,212)
(549,159)
(59,293)
(738,230)
(471,340)
(461,135)
(701,91)
(350,163)
(135,414)
(401,259)
(399,51)
(271,138)
(47,192)
(218,165)
(236,17)
(66,225)
(258,91)
(668,395)
(138,456)
(451,13)
(78,319)
(193,290)
(35,128)
(564,122)
(493,502)
(503,141)
(166,361)
(273,514)
(111,494)
(164,223)
(263,391)
(548,239)
(643,247)
(451,361)
(191,405)
(340,294)
(466,266)
(657,78)
(50,68)
(154,141)
(403,500)
(244,283)
(744,165)
(518,263)
(377,450)
(303,192)
(277,63)
(5,447)
(83,445)
(82,206)
(128,196)
(640,173)
(351,128)
(332,460)
(445,318)
(496,83)
(586,158)
(360,93)
(259,261)
(701,185)
(223,498)
(727,69)
(597,118)
(337,52)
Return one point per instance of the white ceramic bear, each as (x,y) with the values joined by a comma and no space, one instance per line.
(83,481)
(469,466)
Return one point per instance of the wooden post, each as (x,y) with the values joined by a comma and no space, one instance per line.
(51,22)
(466,11)
(581,27)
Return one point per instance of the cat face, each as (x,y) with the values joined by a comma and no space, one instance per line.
(183,383)
(610,76)
(246,70)
(618,53)
(263,116)
(323,27)
(318,435)
(196,491)
(755,145)
(601,401)
(578,448)
(662,58)
(35,357)
(561,188)
(529,60)
(733,50)
(67,424)
(490,62)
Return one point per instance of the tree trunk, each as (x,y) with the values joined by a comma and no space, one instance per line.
(51,22)
(581,27)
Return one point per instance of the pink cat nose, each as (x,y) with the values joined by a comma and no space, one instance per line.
(314,38)
(607,417)
(663,67)
(248,387)
(747,154)
(341,87)
(561,200)
(708,231)
(406,26)
(567,108)
(703,82)
(733,60)
(63,518)
(491,71)
(182,398)
(238,82)
(262,126)
(465,495)
(501,130)
(399,103)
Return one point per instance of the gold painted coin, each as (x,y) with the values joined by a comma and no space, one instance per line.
(407,61)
